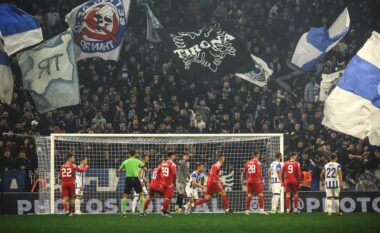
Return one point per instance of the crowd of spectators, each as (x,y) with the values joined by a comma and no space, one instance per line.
(144,93)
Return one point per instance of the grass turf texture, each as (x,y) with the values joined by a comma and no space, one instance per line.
(197,223)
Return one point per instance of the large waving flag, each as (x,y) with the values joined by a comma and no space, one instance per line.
(259,74)
(6,79)
(152,24)
(19,30)
(354,105)
(327,84)
(205,52)
(318,41)
(98,28)
(50,74)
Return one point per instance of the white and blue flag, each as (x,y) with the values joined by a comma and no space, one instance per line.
(49,73)
(6,78)
(318,41)
(354,105)
(152,24)
(98,28)
(259,74)
(18,29)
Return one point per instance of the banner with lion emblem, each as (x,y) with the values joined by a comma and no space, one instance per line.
(98,28)
(211,51)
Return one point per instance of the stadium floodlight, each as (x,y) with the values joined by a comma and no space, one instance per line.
(105,152)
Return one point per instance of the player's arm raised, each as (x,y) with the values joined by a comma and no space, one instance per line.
(80,169)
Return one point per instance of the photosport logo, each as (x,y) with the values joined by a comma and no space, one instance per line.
(208,46)
(100,28)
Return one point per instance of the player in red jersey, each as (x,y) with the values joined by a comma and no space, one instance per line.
(290,179)
(156,184)
(214,185)
(253,178)
(168,171)
(67,174)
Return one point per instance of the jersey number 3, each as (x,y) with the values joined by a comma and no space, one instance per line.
(66,172)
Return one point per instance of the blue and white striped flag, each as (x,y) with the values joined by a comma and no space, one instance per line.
(19,30)
(318,41)
(152,24)
(6,79)
(50,74)
(354,105)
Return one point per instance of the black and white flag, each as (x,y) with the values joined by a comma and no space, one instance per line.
(152,24)
(210,51)
(259,73)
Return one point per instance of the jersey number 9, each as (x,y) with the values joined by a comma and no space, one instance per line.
(290,169)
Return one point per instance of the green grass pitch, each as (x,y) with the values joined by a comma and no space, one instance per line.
(197,223)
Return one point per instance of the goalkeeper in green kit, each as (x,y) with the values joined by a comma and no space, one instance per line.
(131,168)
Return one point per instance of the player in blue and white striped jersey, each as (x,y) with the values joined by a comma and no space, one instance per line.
(80,178)
(194,186)
(331,176)
(274,179)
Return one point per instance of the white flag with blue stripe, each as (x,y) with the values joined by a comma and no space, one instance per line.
(6,79)
(318,41)
(50,74)
(354,105)
(19,30)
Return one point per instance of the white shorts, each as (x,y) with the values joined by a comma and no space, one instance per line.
(276,188)
(79,191)
(332,192)
(145,191)
(192,193)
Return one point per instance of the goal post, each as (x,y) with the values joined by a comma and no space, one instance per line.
(105,152)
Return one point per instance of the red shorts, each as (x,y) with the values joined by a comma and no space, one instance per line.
(156,189)
(168,191)
(291,187)
(68,190)
(254,188)
(214,187)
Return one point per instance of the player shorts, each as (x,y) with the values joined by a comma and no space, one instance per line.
(132,183)
(156,189)
(332,192)
(291,187)
(79,191)
(192,193)
(254,188)
(169,191)
(181,187)
(214,187)
(145,191)
(276,188)
(68,190)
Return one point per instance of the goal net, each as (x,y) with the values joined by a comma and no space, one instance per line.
(104,185)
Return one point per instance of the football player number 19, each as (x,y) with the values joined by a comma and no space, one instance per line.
(165,171)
